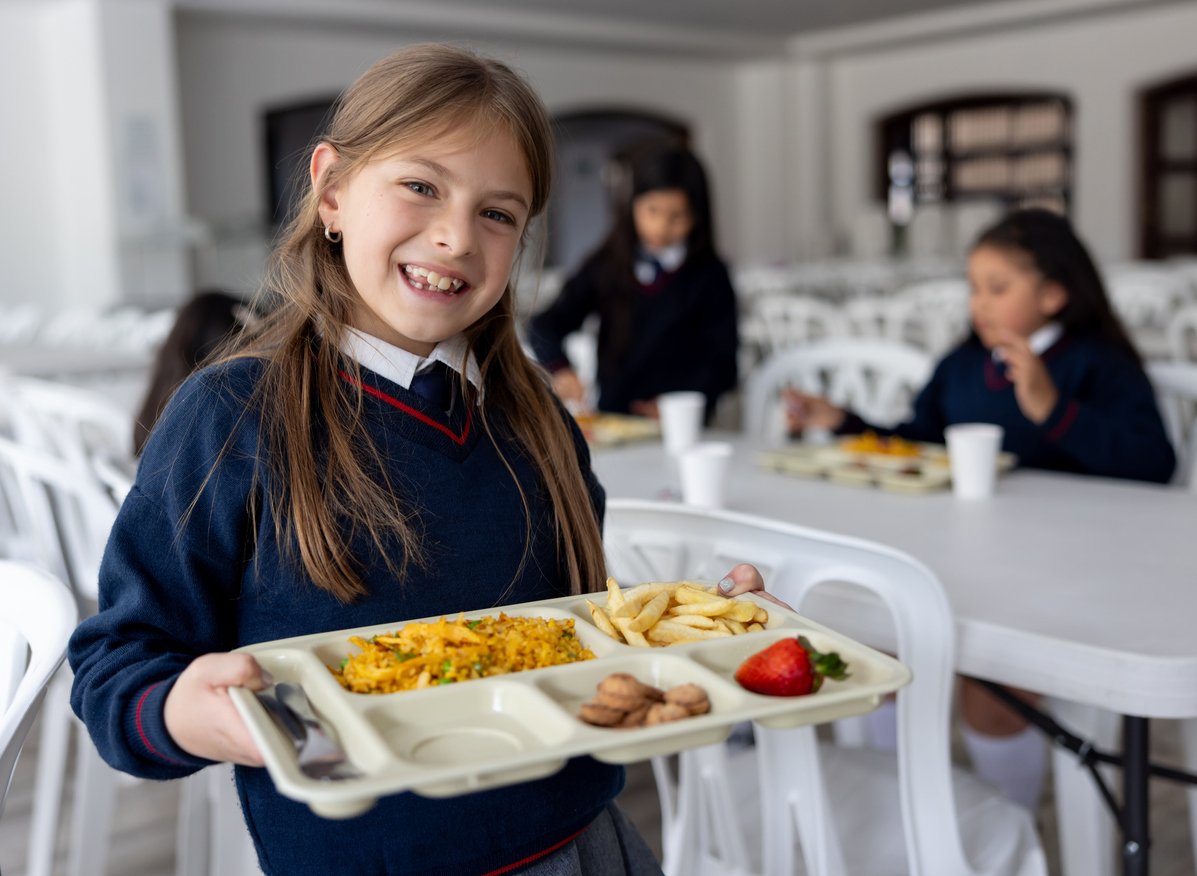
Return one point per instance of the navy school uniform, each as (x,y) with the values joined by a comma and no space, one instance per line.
(683,332)
(1106,421)
(179,581)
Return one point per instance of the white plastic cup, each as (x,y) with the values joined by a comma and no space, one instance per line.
(704,473)
(681,419)
(972,454)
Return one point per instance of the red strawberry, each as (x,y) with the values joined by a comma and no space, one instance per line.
(790,668)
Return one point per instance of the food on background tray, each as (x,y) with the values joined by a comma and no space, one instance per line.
(871,442)
(604,428)
(790,668)
(653,615)
(422,655)
(623,701)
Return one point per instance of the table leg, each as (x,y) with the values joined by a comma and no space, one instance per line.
(1136,836)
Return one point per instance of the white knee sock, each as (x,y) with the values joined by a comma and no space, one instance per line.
(1016,764)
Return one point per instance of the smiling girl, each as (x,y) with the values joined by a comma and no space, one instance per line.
(331,474)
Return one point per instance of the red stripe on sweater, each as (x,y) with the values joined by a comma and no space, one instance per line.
(145,740)
(1065,422)
(535,856)
(408,409)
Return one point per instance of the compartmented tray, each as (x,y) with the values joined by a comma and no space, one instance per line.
(610,430)
(922,472)
(489,732)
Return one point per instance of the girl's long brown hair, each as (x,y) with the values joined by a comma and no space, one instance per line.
(328,481)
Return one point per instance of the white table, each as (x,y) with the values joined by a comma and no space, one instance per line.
(1079,588)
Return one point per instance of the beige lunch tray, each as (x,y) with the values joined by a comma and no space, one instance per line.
(925,473)
(611,430)
(486,733)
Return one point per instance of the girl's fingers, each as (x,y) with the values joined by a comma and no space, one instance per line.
(746,578)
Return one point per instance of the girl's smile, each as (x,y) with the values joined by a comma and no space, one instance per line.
(430,233)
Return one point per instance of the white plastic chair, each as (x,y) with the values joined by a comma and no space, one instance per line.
(875,378)
(70,516)
(1146,301)
(1181,334)
(1176,391)
(790,320)
(71,422)
(37,615)
(852,810)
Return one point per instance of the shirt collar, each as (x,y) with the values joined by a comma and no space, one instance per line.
(400,366)
(1040,340)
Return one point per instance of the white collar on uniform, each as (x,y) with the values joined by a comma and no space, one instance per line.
(400,366)
(1040,340)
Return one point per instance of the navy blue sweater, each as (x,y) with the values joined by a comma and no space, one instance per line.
(175,585)
(682,332)
(1106,421)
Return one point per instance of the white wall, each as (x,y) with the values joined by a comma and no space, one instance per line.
(231,68)
(28,250)
(1101,62)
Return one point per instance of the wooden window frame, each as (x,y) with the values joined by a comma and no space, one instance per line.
(895,131)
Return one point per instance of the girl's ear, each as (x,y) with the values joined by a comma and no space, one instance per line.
(324,156)
(1053,297)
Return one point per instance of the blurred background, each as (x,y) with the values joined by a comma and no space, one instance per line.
(147,143)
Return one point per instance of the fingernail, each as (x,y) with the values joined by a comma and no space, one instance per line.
(726,585)
(267,677)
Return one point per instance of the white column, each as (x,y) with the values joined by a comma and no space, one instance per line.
(810,156)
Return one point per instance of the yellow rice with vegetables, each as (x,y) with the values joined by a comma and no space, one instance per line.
(448,651)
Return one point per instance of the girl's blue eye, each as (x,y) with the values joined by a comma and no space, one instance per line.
(420,188)
(498,216)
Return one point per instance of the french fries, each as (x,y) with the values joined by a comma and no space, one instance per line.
(655,615)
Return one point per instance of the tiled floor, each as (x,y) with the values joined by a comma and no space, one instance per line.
(144,834)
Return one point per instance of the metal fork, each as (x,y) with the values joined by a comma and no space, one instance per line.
(319,753)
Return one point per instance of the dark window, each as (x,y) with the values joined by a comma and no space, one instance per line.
(1168,218)
(289,132)
(1011,148)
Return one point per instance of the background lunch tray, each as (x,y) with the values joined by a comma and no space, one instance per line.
(490,732)
(887,471)
(611,430)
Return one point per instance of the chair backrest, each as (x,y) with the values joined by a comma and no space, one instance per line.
(1145,299)
(788,320)
(648,541)
(37,615)
(876,378)
(1176,391)
(1182,334)
(71,422)
(66,517)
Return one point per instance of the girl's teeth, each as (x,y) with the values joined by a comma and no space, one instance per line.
(432,279)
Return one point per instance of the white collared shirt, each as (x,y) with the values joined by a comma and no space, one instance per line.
(1040,340)
(400,366)
(670,259)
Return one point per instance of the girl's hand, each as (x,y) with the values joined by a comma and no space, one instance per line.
(1033,388)
(569,388)
(746,578)
(810,411)
(200,716)
(645,408)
